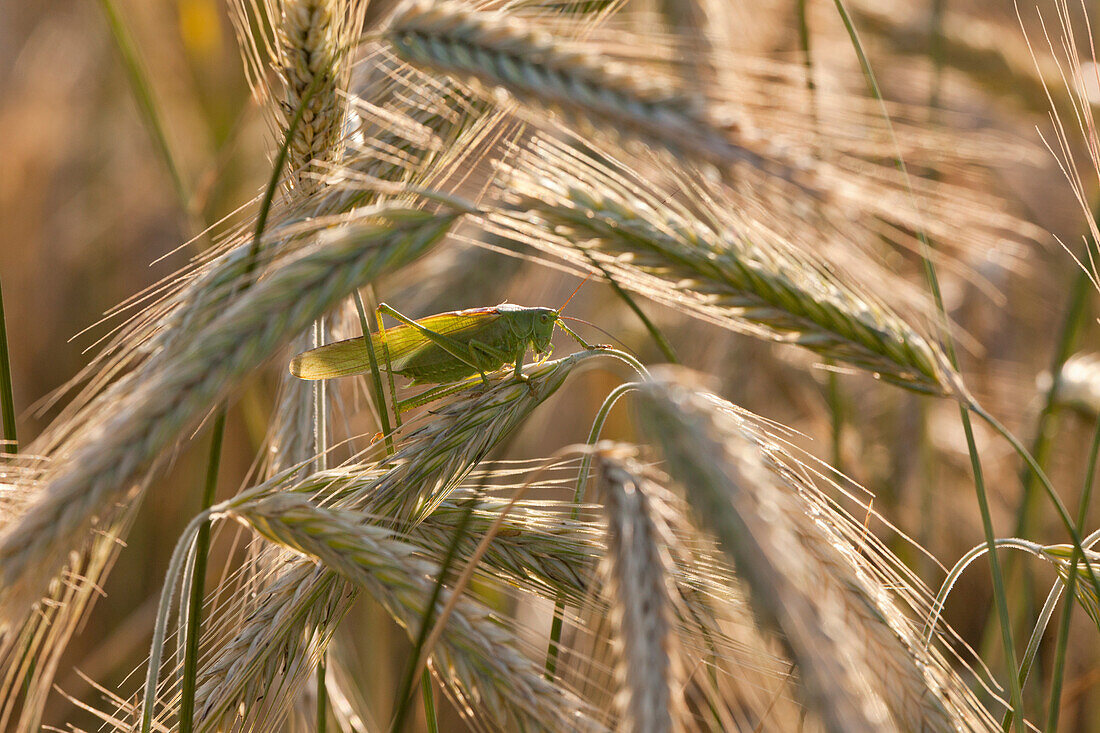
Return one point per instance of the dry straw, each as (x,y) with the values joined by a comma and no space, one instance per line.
(638,568)
(860,666)
(133,422)
(475,656)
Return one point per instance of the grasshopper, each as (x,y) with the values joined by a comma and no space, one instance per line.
(446,347)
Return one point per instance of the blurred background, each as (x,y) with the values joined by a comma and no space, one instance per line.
(89,206)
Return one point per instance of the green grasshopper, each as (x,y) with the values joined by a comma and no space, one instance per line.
(446,347)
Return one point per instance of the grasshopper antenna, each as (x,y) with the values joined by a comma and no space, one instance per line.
(626,348)
(574,293)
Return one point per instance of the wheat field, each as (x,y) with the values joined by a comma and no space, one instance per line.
(805,437)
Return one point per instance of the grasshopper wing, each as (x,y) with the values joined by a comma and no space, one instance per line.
(348,357)
(403,345)
(340,359)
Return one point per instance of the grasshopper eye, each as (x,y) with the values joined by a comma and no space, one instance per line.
(544,318)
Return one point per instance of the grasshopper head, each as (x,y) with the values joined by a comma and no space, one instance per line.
(542,328)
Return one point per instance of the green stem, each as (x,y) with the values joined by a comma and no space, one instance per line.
(654,332)
(999,595)
(376,376)
(320,413)
(1058,673)
(1037,633)
(144,96)
(949,348)
(1072,323)
(277,172)
(956,572)
(198,581)
(322,695)
(836,409)
(804,45)
(160,626)
(429,701)
(1059,507)
(7,394)
(405,691)
(389,372)
(1042,444)
(320,450)
(935,51)
(1046,425)
(558,623)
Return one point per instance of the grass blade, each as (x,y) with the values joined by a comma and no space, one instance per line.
(7,395)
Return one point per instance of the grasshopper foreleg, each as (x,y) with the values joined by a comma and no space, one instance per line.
(519,369)
(519,363)
(575,336)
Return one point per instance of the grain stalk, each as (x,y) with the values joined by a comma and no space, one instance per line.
(496,51)
(307,43)
(1092,607)
(535,547)
(312,128)
(292,618)
(867,671)
(474,654)
(7,398)
(146,101)
(737,279)
(198,581)
(308,65)
(400,491)
(149,410)
(638,568)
